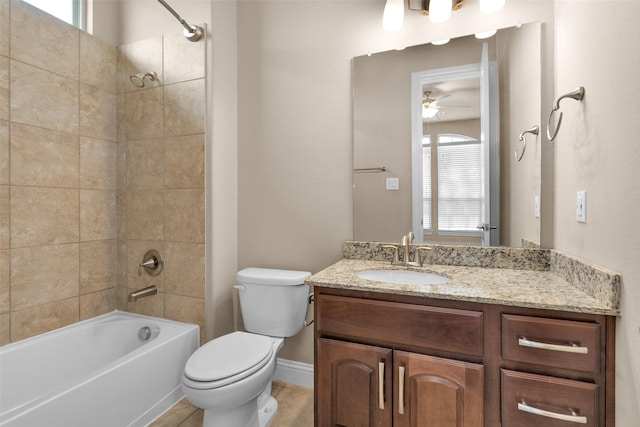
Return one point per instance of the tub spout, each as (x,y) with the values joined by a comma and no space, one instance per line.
(145,292)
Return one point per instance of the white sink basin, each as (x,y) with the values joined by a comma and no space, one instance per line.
(403,277)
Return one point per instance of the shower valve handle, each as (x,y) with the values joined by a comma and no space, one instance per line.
(152,263)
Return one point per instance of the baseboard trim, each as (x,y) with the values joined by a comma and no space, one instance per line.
(292,372)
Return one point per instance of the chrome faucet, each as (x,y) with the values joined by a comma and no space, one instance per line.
(405,245)
(145,292)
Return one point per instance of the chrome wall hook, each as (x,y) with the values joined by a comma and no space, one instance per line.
(535,130)
(577,94)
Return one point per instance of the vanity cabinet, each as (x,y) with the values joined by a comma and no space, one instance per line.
(396,360)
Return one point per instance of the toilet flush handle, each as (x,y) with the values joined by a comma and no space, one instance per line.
(240,288)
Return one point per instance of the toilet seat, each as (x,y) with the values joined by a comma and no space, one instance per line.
(227,359)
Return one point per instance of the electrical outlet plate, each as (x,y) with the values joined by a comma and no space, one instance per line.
(581,206)
(536,206)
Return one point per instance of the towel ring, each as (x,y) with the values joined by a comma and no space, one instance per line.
(577,94)
(534,130)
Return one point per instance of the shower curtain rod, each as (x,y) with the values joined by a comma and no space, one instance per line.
(191,32)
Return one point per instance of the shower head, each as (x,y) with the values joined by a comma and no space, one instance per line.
(138,79)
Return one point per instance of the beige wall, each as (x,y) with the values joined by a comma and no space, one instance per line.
(597,150)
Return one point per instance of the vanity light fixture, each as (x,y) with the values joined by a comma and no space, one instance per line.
(436,10)
(441,42)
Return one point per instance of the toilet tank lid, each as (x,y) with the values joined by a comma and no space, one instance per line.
(269,276)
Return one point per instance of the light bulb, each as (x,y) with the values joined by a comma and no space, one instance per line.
(491,6)
(393,15)
(441,42)
(485,34)
(440,10)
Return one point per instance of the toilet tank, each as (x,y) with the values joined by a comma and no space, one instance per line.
(273,302)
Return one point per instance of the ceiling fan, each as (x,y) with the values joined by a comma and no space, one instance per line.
(430,107)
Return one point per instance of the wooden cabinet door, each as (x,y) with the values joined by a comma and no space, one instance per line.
(353,385)
(437,392)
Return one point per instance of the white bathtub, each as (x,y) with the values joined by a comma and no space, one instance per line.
(95,373)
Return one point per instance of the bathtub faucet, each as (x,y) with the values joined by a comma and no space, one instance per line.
(145,292)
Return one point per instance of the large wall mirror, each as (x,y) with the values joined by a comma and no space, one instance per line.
(385,144)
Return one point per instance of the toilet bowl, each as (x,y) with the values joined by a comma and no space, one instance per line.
(230,376)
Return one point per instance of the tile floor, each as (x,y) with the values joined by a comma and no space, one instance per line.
(295,409)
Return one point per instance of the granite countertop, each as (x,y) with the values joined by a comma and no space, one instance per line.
(504,286)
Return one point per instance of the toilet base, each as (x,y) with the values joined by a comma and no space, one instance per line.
(267,413)
(247,415)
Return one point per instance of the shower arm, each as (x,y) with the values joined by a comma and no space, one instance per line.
(191,32)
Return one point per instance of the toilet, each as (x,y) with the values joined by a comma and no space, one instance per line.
(230,376)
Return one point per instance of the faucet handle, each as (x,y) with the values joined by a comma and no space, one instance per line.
(396,259)
(410,236)
(417,256)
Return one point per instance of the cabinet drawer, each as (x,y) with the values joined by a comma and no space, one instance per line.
(398,324)
(537,400)
(551,342)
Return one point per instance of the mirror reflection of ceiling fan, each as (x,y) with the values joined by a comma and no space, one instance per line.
(451,101)
(430,107)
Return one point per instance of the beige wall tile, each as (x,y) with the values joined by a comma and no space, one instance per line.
(5,322)
(145,215)
(43,318)
(143,57)
(4,88)
(145,164)
(97,303)
(4,27)
(43,274)
(41,216)
(4,152)
(150,306)
(184,269)
(122,78)
(121,211)
(184,162)
(5,281)
(121,117)
(184,216)
(4,217)
(98,215)
(43,99)
(44,158)
(144,114)
(97,62)
(184,108)
(98,113)
(39,39)
(183,60)
(97,164)
(135,254)
(185,309)
(98,266)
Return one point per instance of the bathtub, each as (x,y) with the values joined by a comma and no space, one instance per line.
(115,370)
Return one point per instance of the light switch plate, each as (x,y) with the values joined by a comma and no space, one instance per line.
(581,206)
(393,183)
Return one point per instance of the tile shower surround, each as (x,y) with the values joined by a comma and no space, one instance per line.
(94,171)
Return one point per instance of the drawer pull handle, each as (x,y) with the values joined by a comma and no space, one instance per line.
(401,390)
(381,385)
(555,347)
(573,418)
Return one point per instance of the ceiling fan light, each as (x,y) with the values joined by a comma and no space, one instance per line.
(429,113)
(491,6)
(393,15)
(440,10)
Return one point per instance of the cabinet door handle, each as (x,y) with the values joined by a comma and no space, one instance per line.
(381,385)
(573,418)
(401,390)
(555,347)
